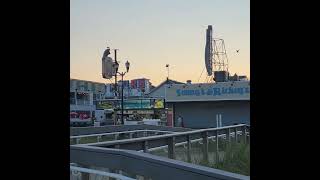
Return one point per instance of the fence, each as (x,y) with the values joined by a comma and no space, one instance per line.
(118,154)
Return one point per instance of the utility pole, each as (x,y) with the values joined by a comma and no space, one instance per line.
(115,76)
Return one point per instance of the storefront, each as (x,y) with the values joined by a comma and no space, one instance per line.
(211,104)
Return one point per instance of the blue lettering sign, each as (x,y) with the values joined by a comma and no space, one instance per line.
(216,91)
(224,91)
(178,92)
(202,92)
(213,91)
(197,92)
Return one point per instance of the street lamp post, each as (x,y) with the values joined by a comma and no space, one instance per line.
(122,74)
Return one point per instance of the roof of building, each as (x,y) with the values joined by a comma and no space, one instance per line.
(167,81)
(139,79)
(86,81)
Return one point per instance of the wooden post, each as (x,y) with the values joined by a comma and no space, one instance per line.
(145,147)
(189,148)
(244,134)
(205,146)
(98,138)
(228,135)
(248,135)
(171,148)
(217,146)
(235,135)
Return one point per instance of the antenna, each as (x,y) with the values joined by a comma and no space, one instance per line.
(167,66)
(220,58)
(216,59)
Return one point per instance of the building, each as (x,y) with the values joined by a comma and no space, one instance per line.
(159,91)
(133,88)
(83,96)
(200,105)
(96,88)
(142,85)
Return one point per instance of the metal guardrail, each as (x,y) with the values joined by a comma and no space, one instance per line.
(99,154)
(170,140)
(119,132)
(76,139)
(148,165)
(76,131)
(101,173)
(194,141)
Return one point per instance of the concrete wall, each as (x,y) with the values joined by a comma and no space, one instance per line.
(203,114)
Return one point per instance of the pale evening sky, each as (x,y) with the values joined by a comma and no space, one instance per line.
(153,33)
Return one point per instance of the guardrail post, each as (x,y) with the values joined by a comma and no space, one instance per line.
(248,131)
(228,135)
(145,147)
(189,148)
(74,140)
(116,136)
(98,138)
(217,146)
(243,129)
(130,135)
(77,140)
(137,134)
(205,146)
(145,134)
(235,134)
(171,148)
(84,176)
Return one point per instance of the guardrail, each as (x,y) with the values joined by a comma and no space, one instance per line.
(121,157)
(147,165)
(170,140)
(135,133)
(85,172)
(76,131)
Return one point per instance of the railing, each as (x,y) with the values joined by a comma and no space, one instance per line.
(196,140)
(146,165)
(121,157)
(85,173)
(170,140)
(135,133)
(76,131)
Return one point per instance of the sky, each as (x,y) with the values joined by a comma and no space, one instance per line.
(153,33)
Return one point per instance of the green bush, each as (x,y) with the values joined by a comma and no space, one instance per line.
(236,159)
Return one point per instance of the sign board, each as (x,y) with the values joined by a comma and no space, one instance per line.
(107,104)
(238,90)
(159,103)
(131,104)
